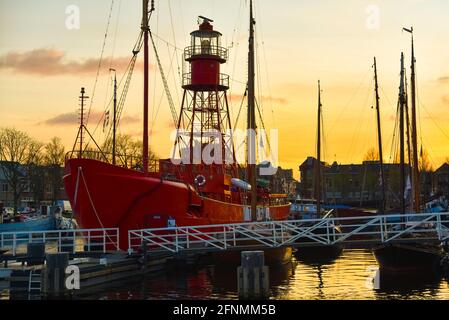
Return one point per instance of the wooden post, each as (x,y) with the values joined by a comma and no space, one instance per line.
(54,274)
(35,253)
(252,275)
(144,254)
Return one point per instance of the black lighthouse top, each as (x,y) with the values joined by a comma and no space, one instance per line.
(203,58)
(206,42)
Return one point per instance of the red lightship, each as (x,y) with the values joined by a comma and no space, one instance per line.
(192,192)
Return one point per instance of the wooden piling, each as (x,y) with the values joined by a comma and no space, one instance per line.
(253,275)
(54,275)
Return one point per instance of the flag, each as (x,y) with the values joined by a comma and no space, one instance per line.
(408,30)
(106,120)
(408,188)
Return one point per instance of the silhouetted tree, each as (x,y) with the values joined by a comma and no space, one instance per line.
(17,153)
(54,160)
(371,155)
(424,162)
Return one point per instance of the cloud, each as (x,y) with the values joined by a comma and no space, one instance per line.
(266,99)
(62,119)
(70,118)
(53,62)
(130,119)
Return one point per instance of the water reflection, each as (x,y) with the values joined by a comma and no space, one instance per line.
(349,275)
(224,278)
(316,256)
(405,286)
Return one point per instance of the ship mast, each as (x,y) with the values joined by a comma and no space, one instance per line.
(82,126)
(379,139)
(251,158)
(407,133)
(415,167)
(318,151)
(401,135)
(145,30)
(114,128)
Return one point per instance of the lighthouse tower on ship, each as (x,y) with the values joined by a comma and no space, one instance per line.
(204,140)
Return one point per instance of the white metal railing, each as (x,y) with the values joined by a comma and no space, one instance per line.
(75,240)
(270,234)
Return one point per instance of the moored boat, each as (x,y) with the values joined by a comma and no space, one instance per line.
(167,192)
(419,256)
(40,223)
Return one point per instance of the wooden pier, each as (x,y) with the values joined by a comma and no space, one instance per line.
(39,264)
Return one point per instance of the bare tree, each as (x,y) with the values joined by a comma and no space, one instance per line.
(424,163)
(371,155)
(36,172)
(17,152)
(128,151)
(54,160)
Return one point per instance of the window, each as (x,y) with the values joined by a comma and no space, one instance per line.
(5,187)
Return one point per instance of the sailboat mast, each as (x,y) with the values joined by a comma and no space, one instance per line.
(252,118)
(114,128)
(415,168)
(82,98)
(318,151)
(379,138)
(145,30)
(401,135)
(407,133)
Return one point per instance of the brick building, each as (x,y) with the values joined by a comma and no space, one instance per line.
(358,184)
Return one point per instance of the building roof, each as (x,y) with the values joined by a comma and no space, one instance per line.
(443,169)
(2,173)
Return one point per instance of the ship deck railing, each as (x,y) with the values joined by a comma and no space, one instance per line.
(122,160)
(72,241)
(365,230)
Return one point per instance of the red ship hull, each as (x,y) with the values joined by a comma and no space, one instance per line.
(107,196)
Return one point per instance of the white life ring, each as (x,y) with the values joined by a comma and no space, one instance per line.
(200,180)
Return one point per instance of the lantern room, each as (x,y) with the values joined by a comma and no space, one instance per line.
(202,60)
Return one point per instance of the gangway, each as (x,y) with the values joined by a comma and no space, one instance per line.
(366,230)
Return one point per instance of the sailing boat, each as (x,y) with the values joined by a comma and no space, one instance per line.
(328,252)
(416,256)
(104,195)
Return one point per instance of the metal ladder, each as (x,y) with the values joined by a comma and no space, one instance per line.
(34,283)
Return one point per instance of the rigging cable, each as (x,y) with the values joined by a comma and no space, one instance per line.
(362,82)
(174,37)
(164,80)
(127,78)
(237,27)
(358,129)
(100,61)
(268,85)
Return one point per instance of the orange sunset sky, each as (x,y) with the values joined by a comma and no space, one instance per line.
(43,64)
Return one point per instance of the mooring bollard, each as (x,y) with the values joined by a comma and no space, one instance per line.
(144,254)
(54,279)
(252,275)
(35,253)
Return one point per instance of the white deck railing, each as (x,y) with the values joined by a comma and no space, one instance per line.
(271,234)
(76,240)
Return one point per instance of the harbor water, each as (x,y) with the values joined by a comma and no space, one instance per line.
(352,275)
